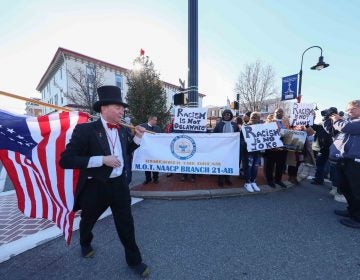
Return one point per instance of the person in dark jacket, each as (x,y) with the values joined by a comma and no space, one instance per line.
(321,147)
(151,126)
(345,151)
(100,150)
(226,126)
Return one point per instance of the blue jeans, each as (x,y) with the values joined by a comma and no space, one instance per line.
(251,163)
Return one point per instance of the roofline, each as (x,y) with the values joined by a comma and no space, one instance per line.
(94,60)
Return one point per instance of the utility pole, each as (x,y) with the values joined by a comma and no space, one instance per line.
(193,53)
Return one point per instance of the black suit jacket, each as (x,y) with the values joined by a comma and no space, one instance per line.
(154,128)
(87,140)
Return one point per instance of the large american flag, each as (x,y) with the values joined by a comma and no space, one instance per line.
(30,149)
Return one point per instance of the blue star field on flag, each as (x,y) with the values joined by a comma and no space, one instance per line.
(15,135)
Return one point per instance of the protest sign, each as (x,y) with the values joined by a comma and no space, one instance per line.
(193,153)
(302,114)
(190,119)
(293,140)
(261,136)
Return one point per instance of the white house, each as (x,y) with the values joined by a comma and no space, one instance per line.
(56,81)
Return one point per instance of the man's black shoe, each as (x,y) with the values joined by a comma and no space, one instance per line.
(281,184)
(87,251)
(342,213)
(141,269)
(272,185)
(146,182)
(156,181)
(350,223)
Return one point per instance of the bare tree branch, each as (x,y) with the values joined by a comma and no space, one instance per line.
(84,86)
(254,85)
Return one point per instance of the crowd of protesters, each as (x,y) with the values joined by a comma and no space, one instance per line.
(332,146)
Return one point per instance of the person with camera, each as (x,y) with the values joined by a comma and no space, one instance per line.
(345,151)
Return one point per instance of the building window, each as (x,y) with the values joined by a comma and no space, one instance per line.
(118,81)
(90,72)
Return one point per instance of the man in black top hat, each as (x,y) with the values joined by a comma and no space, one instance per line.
(100,150)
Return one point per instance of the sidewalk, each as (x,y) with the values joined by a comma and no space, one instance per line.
(205,186)
(19,233)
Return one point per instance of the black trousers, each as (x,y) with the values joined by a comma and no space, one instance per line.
(148,175)
(275,160)
(348,181)
(95,199)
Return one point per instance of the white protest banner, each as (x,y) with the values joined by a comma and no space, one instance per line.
(190,119)
(193,153)
(302,114)
(261,136)
(293,139)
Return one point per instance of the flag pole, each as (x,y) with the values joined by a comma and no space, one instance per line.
(57,107)
(35,101)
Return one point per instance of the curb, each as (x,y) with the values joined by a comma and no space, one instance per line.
(206,194)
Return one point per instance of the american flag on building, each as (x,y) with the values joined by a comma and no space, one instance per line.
(30,149)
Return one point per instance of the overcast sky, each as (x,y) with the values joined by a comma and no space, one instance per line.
(232,33)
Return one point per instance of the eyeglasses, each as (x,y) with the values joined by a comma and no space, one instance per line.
(351,109)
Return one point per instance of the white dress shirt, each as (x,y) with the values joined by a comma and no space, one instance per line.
(113,134)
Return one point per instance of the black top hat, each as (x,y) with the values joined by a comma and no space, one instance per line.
(108,95)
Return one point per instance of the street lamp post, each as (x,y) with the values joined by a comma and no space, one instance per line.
(320,65)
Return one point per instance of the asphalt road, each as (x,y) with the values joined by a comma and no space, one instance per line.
(291,234)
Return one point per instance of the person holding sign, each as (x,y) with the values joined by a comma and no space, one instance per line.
(276,158)
(251,160)
(226,125)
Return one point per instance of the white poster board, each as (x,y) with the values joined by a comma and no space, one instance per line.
(261,136)
(190,119)
(302,114)
(193,153)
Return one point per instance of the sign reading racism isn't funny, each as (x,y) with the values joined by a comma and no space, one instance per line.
(302,114)
(190,119)
(194,153)
(261,136)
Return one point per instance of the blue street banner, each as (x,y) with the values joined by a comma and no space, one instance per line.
(289,87)
(193,153)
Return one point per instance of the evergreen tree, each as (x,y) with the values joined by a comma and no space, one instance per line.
(146,95)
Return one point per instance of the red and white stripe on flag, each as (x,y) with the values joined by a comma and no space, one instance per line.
(43,188)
